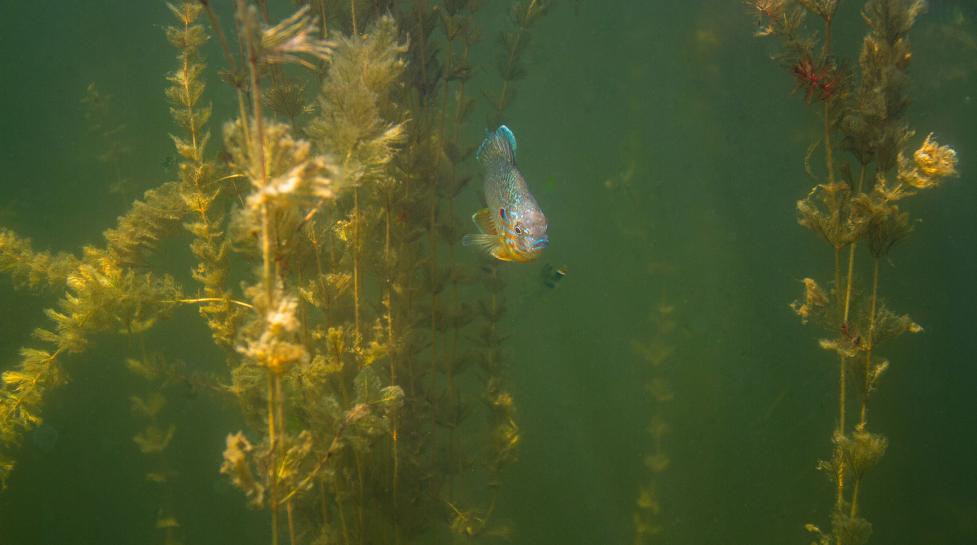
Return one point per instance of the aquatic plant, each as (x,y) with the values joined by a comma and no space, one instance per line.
(154,439)
(505,434)
(32,269)
(514,43)
(200,181)
(100,296)
(281,170)
(107,133)
(862,113)
(655,353)
(346,344)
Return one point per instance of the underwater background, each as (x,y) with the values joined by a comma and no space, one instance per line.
(668,153)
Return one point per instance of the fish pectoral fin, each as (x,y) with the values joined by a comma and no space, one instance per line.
(484,219)
(487,243)
(482,242)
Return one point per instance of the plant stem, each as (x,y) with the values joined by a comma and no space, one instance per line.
(842,389)
(291,521)
(870,338)
(352,13)
(863,413)
(272,464)
(280,425)
(434,281)
(828,152)
(842,371)
(391,342)
(342,521)
(258,157)
(420,7)
(356,268)
(231,64)
(212,300)
(323,20)
(842,362)
(323,504)
(506,77)
(851,255)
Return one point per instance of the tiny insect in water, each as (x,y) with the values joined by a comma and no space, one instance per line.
(553,275)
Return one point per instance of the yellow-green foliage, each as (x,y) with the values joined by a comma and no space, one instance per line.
(357,122)
(147,221)
(30,268)
(101,297)
(200,186)
(186,88)
(292,174)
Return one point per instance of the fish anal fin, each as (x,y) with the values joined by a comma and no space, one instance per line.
(501,253)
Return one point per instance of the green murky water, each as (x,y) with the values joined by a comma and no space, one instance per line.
(668,153)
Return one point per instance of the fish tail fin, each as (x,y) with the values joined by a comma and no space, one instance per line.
(498,147)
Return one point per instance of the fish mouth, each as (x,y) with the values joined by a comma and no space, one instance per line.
(532,248)
(527,249)
(527,244)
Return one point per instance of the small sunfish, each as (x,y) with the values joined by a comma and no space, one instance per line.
(512,228)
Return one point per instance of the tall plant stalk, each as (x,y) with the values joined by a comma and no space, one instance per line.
(845,213)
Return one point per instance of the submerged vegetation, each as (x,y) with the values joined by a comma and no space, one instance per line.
(350,342)
(657,355)
(857,208)
(348,373)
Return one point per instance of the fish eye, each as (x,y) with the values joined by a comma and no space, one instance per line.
(518,230)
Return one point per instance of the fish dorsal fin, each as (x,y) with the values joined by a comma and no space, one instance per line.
(498,147)
(510,139)
(484,219)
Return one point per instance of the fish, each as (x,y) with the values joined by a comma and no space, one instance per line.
(512,227)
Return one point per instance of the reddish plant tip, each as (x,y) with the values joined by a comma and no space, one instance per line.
(822,81)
